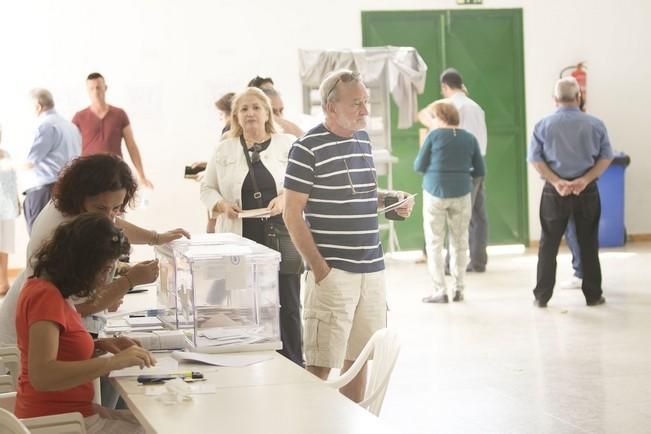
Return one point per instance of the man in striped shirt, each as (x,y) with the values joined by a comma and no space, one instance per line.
(331,204)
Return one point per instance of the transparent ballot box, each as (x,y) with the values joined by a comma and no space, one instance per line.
(222,290)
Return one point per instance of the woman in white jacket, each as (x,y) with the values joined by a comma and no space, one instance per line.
(228,188)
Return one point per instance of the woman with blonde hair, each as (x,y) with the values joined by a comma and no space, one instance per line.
(246,171)
(449,158)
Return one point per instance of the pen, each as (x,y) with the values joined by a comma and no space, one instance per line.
(189,374)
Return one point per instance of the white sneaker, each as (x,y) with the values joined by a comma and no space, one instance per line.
(573,283)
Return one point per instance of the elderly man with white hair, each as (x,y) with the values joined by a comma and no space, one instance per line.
(570,150)
(56,142)
(331,205)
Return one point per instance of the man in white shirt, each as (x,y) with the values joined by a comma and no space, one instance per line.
(473,120)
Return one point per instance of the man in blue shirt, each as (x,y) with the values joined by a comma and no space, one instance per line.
(570,150)
(56,142)
(331,182)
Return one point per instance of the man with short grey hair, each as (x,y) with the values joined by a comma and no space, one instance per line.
(570,150)
(56,142)
(331,204)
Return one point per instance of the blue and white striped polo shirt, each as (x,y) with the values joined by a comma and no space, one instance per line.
(339,175)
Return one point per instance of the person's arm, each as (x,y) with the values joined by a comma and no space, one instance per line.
(579,184)
(210,191)
(138,235)
(403,210)
(46,373)
(301,236)
(289,127)
(562,186)
(426,118)
(41,146)
(421,163)
(134,154)
(478,165)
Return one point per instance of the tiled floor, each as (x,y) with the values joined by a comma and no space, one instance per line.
(496,364)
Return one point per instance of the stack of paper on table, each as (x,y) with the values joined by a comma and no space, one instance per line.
(160,339)
(230,336)
(227,360)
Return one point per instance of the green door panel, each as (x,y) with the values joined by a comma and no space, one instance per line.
(486,47)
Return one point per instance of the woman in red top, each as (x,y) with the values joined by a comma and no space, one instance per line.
(57,353)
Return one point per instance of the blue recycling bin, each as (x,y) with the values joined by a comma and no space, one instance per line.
(612,232)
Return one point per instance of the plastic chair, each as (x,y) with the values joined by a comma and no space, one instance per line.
(66,423)
(385,347)
(11,359)
(10,424)
(7,384)
(8,401)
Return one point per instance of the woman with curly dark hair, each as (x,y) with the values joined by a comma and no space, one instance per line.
(56,351)
(97,183)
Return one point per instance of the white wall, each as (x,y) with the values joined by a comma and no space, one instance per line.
(167,61)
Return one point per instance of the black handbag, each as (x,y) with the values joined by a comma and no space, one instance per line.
(276,235)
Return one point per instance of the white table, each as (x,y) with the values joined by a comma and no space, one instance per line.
(275,396)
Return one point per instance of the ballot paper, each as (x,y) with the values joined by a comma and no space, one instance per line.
(254,213)
(164,366)
(397,204)
(232,336)
(227,360)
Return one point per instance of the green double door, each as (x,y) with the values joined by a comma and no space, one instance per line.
(486,47)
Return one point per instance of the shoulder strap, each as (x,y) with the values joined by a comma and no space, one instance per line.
(256,191)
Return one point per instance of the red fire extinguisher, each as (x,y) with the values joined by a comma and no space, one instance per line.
(580,73)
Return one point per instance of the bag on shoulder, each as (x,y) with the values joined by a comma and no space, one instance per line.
(276,236)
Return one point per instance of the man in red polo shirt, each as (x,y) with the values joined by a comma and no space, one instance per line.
(103,126)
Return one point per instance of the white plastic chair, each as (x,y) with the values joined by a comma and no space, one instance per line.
(385,347)
(66,423)
(8,401)
(11,359)
(10,424)
(7,384)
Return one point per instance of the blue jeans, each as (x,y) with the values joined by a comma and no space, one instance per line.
(573,244)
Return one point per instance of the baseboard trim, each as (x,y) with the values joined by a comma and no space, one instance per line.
(631,238)
(639,237)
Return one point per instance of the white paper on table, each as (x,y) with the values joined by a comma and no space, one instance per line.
(397,204)
(164,366)
(227,360)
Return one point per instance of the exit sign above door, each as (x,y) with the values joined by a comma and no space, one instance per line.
(470,2)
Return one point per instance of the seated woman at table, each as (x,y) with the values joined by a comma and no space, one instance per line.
(56,352)
(230,186)
(96,183)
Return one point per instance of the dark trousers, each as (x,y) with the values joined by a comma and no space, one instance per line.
(478,239)
(555,211)
(291,327)
(35,201)
(573,244)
